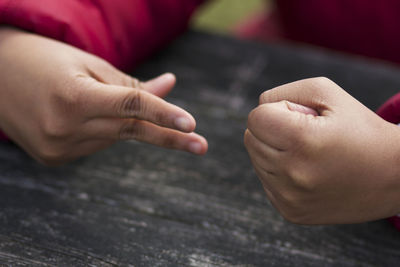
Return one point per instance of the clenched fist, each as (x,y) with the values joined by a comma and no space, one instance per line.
(322,156)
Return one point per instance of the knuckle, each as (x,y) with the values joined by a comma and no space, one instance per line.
(134,83)
(130,130)
(317,83)
(131,105)
(321,80)
(261,98)
(291,200)
(55,129)
(254,118)
(301,178)
(294,216)
(288,198)
(51,156)
(68,96)
(168,142)
(161,117)
(322,89)
(264,97)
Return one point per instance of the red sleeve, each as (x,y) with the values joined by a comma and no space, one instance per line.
(390,110)
(123,32)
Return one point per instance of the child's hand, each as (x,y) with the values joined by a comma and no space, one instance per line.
(323,157)
(60,103)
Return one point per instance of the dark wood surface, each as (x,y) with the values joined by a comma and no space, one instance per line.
(138,205)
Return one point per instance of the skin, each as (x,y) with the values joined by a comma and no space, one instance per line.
(60,103)
(322,156)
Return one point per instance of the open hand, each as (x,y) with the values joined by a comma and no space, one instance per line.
(60,103)
(323,157)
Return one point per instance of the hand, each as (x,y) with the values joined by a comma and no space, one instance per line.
(60,103)
(323,157)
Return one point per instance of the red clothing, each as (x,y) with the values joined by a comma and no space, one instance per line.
(390,111)
(123,32)
(363,27)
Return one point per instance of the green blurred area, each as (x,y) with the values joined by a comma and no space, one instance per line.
(221,15)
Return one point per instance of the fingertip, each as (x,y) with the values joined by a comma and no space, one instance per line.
(169,76)
(246,137)
(195,148)
(161,85)
(205,145)
(199,146)
(167,79)
(184,121)
(185,124)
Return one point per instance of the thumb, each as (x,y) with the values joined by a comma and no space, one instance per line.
(300,108)
(282,124)
(320,94)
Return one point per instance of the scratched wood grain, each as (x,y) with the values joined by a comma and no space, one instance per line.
(137,205)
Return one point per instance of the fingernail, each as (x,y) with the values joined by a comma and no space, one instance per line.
(183,124)
(195,147)
(168,76)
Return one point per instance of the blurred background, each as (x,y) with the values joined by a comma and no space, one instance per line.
(221,16)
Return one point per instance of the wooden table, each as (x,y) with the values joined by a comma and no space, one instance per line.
(138,205)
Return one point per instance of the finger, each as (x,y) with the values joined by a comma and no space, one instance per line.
(315,93)
(271,197)
(274,199)
(256,147)
(106,73)
(268,188)
(278,126)
(107,101)
(264,158)
(263,166)
(103,72)
(143,131)
(300,108)
(161,85)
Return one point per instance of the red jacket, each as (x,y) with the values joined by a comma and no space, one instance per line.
(123,32)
